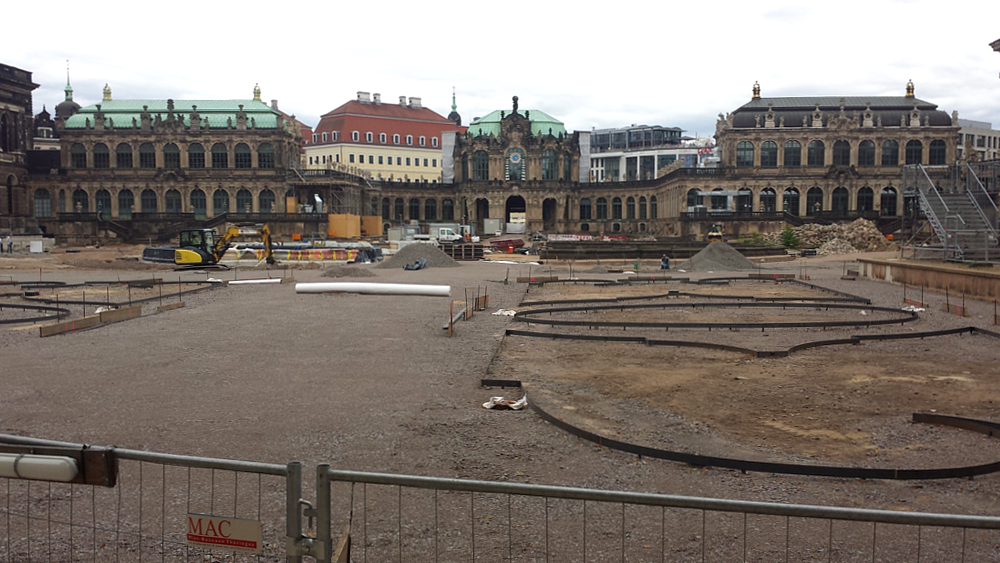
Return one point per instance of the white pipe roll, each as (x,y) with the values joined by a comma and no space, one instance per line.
(375,288)
(244,282)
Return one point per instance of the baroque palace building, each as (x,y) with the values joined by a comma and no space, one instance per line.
(139,167)
(15,139)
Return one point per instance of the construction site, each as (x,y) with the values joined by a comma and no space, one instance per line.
(730,408)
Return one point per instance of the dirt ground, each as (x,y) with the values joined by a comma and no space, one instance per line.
(373,383)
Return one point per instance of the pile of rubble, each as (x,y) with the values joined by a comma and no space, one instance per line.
(858,236)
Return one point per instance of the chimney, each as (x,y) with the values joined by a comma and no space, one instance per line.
(415,103)
(377,98)
(402,101)
(274,104)
(363,97)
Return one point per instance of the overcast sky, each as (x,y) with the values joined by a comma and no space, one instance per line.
(597,65)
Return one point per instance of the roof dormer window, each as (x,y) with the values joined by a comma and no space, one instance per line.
(395,139)
(381,138)
(409,139)
(355,136)
(326,137)
(434,142)
(315,136)
(368,137)
(423,141)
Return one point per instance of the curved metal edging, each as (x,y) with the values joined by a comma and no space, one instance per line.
(530,316)
(59,313)
(784,468)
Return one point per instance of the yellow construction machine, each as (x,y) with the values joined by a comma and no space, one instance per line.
(203,247)
(715,234)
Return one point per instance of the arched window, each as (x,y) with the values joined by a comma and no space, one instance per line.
(220,156)
(841,153)
(744,153)
(61,201)
(768,200)
(793,154)
(652,207)
(480,166)
(888,201)
(220,202)
(196,156)
(172,201)
(147,201)
(567,166)
(642,208)
(199,203)
(381,138)
(171,156)
(430,210)
(102,158)
(43,203)
(265,201)
(630,208)
(414,208)
(769,154)
(601,209)
(386,208)
(102,203)
(814,201)
(242,157)
(839,200)
(914,152)
(866,153)
(890,153)
(790,201)
(549,165)
(816,153)
(866,198)
(77,156)
(126,202)
(81,202)
(616,208)
(936,156)
(265,156)
(147,155)
(693,198)
(585,209)
(244,201)
(397,209)
(448,210)
(123,155)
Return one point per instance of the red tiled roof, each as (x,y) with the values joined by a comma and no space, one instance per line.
(391,119)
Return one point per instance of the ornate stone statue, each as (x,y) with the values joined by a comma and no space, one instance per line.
(515,103)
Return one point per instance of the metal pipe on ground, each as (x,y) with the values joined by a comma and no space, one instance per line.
(375,288)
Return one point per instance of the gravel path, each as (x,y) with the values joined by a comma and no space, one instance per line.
(373,383)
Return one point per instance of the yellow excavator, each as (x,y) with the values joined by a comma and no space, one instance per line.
(715,234)
(202,247)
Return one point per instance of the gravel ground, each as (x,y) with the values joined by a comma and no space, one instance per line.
(373,383)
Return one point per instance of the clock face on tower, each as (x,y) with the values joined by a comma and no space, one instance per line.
(515,165)
(515,158)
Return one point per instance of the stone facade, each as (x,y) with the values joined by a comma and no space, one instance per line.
(15,139)
(119,158)
(826,155)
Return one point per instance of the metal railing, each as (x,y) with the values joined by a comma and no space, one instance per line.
(364,516)
(982,200)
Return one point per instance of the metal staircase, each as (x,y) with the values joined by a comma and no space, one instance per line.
(964,218)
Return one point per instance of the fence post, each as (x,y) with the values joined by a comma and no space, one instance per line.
(323,513)
(293,517)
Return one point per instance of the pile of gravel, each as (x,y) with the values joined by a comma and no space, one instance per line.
(717,257)
(413,252)
(346,271)
(860,235)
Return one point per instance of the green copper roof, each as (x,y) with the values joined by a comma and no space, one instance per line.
(217,113)
(541,123)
